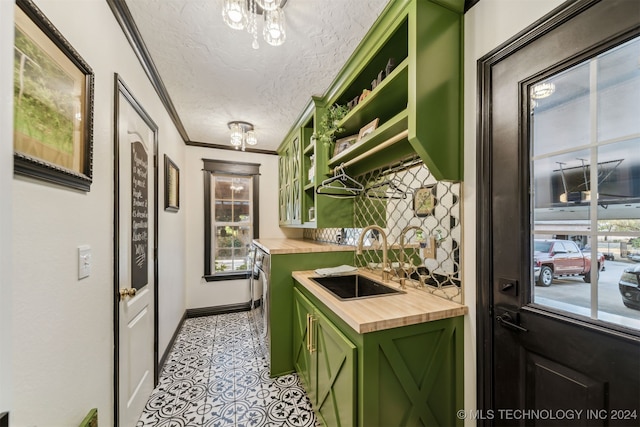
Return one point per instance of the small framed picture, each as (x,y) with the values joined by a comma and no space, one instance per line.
(171,185)
(424,201)
(344,144)
(367,129)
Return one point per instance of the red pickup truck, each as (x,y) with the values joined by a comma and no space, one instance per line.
(554,258)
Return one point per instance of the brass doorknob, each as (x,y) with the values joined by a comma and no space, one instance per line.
(127,292)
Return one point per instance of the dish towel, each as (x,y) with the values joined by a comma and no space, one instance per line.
(333,271)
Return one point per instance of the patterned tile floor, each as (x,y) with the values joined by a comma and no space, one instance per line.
(218,375)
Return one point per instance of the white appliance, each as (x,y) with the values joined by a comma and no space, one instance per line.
(259,285)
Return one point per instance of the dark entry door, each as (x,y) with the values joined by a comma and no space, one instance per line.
(559,160)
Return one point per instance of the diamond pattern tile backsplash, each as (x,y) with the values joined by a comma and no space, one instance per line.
(416,212)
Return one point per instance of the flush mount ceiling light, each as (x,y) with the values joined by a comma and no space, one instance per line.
(242,134)
(542,90)
(243,14)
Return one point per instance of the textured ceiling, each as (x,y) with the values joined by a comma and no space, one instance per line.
(213,75)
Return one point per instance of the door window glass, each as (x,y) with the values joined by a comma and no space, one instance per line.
(585,187)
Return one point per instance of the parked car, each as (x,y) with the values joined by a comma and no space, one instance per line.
(634,257)
(629,285)
(601,257)
(555,258)
(609,256)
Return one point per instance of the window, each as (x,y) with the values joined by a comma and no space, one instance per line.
(231,217)
(585,168)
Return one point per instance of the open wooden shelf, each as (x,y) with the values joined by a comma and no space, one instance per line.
(388,129)
(389,97)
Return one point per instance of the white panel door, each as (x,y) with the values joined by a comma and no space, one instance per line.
(135,217)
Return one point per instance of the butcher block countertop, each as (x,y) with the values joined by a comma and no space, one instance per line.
(298,246)
(383,312)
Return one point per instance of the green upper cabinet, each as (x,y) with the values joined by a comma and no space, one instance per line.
(404,88)
(406,75)
(410,63)
(303,164)
(435,73)
(290,181)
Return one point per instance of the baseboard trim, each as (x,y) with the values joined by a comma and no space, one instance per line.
(220,309)
(167,350)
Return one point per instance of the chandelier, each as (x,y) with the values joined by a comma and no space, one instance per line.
(242,134)
(243,14)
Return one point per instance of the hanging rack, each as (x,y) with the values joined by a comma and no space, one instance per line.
(348,187)
(404,164)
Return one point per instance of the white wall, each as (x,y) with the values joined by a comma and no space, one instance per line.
(487,25)
(62,333)
(62,327)
(6,175)
(201,293)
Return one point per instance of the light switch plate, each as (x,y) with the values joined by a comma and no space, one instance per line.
(84,261)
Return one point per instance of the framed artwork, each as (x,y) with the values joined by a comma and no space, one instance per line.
(53,103)
(171,185)
(344,144)
(424,201)
(367,129)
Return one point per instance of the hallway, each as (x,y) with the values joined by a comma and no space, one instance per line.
(217,374)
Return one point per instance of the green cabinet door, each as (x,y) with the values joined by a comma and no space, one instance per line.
(336,374)
(326,361)
(302,310)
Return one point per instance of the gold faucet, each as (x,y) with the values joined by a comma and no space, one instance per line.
(385,261)
(402,234)
(401,257)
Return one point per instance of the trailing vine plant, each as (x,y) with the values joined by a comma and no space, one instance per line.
(329,123)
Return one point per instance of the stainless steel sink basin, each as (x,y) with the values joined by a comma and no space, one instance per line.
(354,286)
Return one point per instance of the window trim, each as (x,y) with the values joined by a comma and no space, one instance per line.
(225,167)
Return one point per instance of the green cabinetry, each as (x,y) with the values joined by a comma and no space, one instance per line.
(302,166)
(405,376)
(290,182)
(326,361)
(406,74)
(418,103)
(281,300)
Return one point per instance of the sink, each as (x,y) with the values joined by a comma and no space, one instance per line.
(354,286)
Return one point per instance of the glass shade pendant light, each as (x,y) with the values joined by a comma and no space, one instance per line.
(234,14)
(274,27)
(241,14)
(251,137)
(236,134)
(242,134)
(269,4)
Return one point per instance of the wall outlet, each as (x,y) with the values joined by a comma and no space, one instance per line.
(84,261)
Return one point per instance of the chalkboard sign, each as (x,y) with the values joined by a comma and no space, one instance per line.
(139,215)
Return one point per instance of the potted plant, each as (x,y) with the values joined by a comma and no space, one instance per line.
(329,123)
